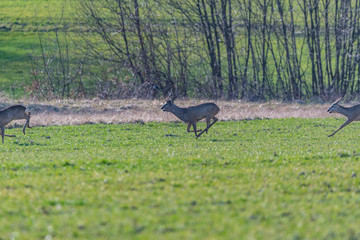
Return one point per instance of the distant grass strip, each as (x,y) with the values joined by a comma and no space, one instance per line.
(25,15)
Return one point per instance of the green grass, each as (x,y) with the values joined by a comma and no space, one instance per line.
(15,64)
(25,15)
(19,20)
(260,179)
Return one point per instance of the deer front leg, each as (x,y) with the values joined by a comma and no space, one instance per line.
(2,133)
(194,127)
(25,127)
(344,124)
(28,119)
(27,124)
(188,128)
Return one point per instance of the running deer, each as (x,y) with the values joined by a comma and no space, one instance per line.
(352,113)
(191,115)
(14,112)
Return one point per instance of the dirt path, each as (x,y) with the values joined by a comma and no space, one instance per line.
(67,112)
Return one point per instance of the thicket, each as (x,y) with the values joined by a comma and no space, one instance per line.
(240,49)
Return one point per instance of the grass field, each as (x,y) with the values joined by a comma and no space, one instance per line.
(15,64)
(258,179)
(27,15)
(249,179)
(19,20)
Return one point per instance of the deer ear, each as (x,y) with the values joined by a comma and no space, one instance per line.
(337,100)
(169,97)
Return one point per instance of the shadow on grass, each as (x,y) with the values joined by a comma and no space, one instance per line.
(25,144)
(171,135)
(222,140)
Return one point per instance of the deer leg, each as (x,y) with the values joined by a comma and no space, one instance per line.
(203,131)
(200,133)
(207,124)
(27,124)
(24,127)
(2,133)
(214,121)
(28,119)
(188,128)
(344,124)
(207,128)
(194,126)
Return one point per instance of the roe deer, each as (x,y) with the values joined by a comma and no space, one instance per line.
(191,115)
(14,112)
(352,113)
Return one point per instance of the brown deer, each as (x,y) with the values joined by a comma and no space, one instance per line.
(352,113)
(191,115)
(14,112)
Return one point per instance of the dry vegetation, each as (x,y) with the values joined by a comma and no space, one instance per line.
(69,112)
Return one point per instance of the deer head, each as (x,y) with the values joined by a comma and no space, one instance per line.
(334,106)
(168,105)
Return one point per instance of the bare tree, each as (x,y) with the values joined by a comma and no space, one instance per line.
(252,49)
(58,72)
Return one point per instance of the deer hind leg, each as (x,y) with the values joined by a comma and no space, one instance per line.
(208,125)
(3,134)
(201,133)
(344,124)
(214,121)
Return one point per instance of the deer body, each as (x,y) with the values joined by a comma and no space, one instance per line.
(11,113)
(191,115)
(352,113)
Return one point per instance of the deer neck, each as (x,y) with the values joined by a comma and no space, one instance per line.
(179,112)
(344,111)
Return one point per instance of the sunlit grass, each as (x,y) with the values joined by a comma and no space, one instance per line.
(15,64)
(25,14)
(262,179)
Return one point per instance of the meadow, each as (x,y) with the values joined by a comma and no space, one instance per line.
(19,21)
(246,179)
(250,179)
